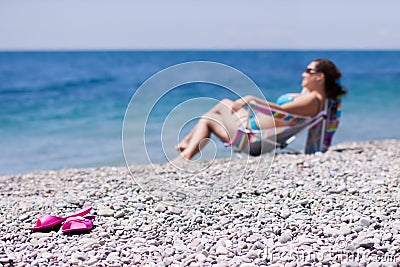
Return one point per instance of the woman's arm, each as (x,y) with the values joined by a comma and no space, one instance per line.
(304,105)
(241,102)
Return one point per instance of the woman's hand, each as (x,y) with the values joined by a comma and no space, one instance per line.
(241,102)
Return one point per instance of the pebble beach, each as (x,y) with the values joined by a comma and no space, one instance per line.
(339,208)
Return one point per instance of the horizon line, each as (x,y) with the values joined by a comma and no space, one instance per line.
(206,50)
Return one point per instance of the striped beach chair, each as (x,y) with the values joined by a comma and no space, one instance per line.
(320,135)
(321,129)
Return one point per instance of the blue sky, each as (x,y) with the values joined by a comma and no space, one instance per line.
(207,24)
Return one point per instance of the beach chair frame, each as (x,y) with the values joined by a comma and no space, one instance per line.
(257,142)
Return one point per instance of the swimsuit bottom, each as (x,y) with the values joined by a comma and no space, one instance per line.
(253,123)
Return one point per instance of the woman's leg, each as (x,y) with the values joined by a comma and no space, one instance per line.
(185,141)
(222,106)
(220,120)
(199,136)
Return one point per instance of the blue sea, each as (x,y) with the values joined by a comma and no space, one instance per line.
(66,109)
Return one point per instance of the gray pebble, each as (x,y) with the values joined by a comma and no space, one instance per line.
(305,203)
(113,256)
(285,237)
(220,250)
(119,214)
(105,212)
(365,222)
(285,213)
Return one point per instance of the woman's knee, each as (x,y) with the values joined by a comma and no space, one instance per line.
(209,116)
(222,105)
(211,120)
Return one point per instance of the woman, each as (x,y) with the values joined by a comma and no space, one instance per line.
(320,80)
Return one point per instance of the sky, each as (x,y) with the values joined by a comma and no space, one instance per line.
(206,24)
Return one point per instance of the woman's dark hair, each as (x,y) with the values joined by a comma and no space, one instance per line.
(332,78)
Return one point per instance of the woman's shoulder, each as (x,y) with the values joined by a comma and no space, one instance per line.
(308,97)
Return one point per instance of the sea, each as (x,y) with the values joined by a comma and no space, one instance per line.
(67,109)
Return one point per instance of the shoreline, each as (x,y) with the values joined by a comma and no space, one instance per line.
(340,203)
(340,146)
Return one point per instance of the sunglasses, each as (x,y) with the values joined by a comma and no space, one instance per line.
(311,71)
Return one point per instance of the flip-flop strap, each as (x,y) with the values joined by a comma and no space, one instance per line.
(86,223)
(80,219)
(81,212)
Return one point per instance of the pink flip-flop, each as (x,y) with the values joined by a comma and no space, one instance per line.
(47,221)
(78,224)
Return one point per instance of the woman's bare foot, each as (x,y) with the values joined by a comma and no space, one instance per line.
(185,141)
(181,146)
